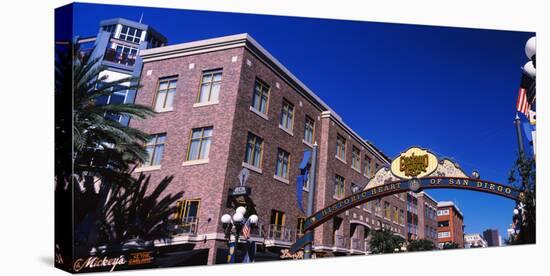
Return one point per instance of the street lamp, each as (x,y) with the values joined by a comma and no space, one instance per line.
(475,174)
(233,226)
(531,48)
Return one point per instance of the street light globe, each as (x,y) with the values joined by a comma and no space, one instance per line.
(475,174)
(238,217)
(226,218)
(253,219)
(531,47)
(529,69)
(241,210)
(516,211)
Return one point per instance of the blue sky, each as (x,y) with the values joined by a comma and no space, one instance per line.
(451,90)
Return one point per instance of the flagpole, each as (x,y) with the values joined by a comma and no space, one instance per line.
(311,197)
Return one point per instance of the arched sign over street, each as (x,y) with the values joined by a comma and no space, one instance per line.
(413,170)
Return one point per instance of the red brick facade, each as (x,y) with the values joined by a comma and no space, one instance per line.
(450,224)
(242,61)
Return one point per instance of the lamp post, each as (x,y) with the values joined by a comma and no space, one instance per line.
(525,222)
(233,226)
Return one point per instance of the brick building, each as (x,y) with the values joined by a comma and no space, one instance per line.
(427,218)
(450,224)
(225,104)
(492,237)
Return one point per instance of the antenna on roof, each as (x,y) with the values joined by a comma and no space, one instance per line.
(140,18)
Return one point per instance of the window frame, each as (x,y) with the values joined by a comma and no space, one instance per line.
(256,137)
(158,90)
(279,215)
(127,34)
(306,120)
(287,172)
(262,85)
(387,210)
(339,187)
(367,166)
(287,109)
(212,73)
(341,152)
(149,163)
(300,221)
(356,158)
(182,210)
(201,140)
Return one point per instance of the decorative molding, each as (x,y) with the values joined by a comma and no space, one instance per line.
(195,162)
(252,168)
(147,168)
(259,113)
(205,104)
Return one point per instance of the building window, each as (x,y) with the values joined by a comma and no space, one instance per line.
(387,210)
(210,87)
(287,116)
(187,211)
(254,149)
(339,186)
(367,167)
(277,218)
(260,97)
(199,144)
(309,130)
(109,28)
(378,207)
(130,34)
(395,214)
(283,164)
(443,234)
(341,148)
(155,149)
(165,94)
(444,223)
(117,97)
(121,54)
(368,206)
(300,225)
(401,216)
(356,158)
(443,212)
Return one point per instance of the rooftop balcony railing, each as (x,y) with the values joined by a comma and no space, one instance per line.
(279,233)
(121,58)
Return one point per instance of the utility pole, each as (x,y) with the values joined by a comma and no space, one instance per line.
(311,197)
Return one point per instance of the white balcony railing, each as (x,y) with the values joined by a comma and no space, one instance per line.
(358,244)
(187,226)
(340,241)
(279,233)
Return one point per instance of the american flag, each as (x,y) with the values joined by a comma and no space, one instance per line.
(246,229)
(523,105)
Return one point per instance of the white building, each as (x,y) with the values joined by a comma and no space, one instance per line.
(474,240)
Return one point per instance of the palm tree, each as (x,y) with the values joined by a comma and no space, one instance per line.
(137,214)
(101,147)
(93,152)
